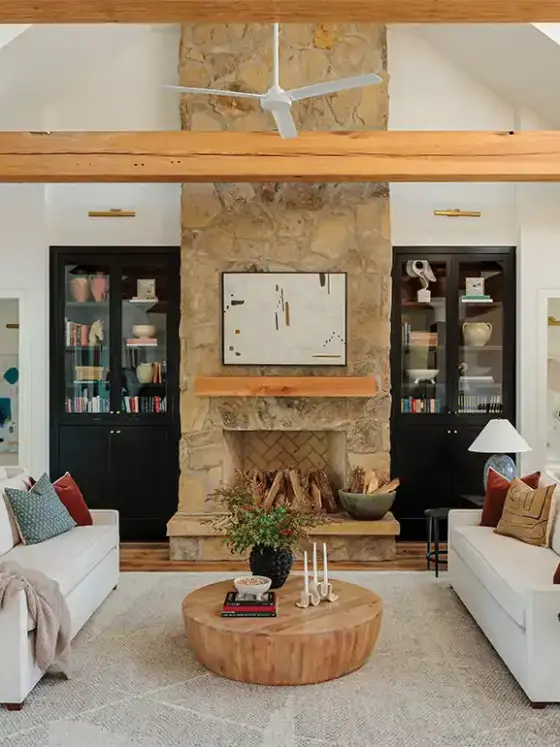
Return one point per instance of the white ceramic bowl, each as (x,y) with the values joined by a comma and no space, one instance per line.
(144,330)
(254,585)
(422,374)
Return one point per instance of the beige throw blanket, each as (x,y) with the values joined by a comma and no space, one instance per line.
(48,610)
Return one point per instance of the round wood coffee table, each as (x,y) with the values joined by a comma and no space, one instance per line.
(299,647)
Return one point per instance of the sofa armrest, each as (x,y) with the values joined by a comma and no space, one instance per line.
(542,624)
(461,517)
(105,517)
(14,650)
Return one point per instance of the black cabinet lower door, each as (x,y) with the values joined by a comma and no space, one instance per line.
(84,452)
(419,457)
(144,479)
(133,469)
(468,466)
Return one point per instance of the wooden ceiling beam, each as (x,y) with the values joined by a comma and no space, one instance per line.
(286,11)
(395,156)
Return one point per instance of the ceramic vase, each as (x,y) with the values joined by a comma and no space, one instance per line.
(98,287)
(274,563)
(477,334)
(145,373)
(79,289)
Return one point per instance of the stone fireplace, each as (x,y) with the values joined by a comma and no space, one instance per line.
(280,227)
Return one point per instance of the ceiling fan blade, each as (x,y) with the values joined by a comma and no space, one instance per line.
(284,122)
(215,92)
(332,86)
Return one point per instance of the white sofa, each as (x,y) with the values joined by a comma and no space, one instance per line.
(507,587)
(85,562)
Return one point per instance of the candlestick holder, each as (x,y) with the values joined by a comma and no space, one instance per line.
(315,591)
(326,592)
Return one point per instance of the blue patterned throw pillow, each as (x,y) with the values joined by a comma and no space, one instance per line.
(39,512)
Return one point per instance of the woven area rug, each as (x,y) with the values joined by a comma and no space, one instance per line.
(433,680)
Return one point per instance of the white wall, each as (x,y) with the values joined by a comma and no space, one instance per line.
(119,89)
(428,92)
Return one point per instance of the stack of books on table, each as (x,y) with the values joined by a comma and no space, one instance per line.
(236,605)
(477,299)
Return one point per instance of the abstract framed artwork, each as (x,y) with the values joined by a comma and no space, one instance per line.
(284,318)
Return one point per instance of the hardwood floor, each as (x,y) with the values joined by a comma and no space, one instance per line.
(150,556)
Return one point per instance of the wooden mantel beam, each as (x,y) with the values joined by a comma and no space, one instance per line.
(395,156)
(287,11)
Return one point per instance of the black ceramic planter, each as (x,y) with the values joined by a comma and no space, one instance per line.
(276,564)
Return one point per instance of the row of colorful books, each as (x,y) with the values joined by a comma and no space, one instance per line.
(236,605)
(415,405)
(87,404)
(144,404)
(77,335)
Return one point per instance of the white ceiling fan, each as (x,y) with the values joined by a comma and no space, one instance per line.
(278,102)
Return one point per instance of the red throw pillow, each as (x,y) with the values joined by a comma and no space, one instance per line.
(496,492)
(556,577)
(71,496)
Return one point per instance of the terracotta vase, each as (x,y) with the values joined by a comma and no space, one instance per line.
(79,289)
(98,287)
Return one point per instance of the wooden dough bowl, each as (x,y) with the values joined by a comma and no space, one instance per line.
(299,647)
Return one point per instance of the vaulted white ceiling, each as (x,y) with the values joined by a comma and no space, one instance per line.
(520,62)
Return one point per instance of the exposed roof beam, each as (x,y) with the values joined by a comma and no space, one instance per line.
(265,11)
(396,156)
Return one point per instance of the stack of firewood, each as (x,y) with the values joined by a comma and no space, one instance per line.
(310,491)
(369,483)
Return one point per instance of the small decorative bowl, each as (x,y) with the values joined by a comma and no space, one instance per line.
(252,585)
(144,330)
(366,507)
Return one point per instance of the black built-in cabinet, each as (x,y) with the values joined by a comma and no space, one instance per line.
(114,380)
(448,380)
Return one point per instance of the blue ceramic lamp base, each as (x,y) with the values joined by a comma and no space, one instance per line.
(503,464)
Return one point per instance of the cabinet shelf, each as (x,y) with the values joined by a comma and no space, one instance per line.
(490,348)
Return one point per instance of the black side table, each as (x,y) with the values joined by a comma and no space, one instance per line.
(472,501)
(433,553)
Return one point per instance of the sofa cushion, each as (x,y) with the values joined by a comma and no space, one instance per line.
(69,557)
(71,495)
(39,512)
(506,567)
(16,478)
(496,492)
(526,513)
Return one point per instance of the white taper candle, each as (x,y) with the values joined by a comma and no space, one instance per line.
(306,587)
(315,578)
(325,571)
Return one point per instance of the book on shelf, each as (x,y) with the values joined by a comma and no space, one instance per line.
(77,335)
(236,605)
(418,337)
(477,299)
(87,403)
(143,342)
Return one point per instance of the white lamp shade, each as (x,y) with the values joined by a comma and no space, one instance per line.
(499,437)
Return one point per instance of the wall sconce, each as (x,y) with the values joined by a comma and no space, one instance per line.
(112,213)
(458,213)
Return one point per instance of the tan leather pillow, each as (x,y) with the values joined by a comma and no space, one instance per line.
(525,514)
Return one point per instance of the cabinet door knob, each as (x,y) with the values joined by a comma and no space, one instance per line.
(111,432)
(455,432)
(118,432)
(448,432)
(118,412)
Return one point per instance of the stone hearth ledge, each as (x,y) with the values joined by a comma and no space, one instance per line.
(191,538)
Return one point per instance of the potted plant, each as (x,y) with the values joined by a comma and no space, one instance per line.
(271,533)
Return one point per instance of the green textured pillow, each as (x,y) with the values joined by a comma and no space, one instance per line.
(39,512)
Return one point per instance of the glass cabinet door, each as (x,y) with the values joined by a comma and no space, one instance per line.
(144,310)
(86,338)
(481,337)
(423,383)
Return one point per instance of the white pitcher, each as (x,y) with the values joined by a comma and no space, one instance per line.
(477,334)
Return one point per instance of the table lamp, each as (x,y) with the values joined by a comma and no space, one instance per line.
(499,438)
